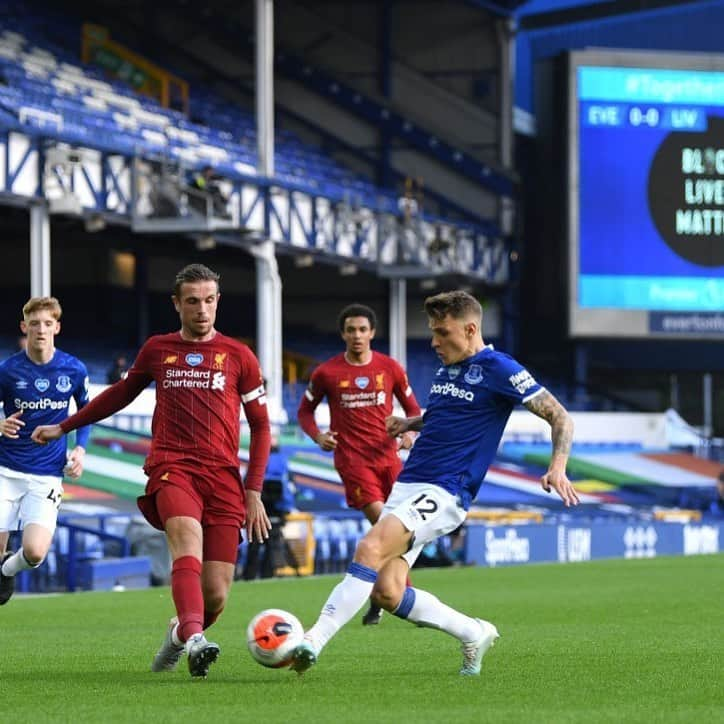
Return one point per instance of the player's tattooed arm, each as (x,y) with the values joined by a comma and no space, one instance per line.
(546,406)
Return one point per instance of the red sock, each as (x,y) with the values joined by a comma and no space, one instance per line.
(186,592)
(210,617)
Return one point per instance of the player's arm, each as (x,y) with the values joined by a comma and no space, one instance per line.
(403,392)
(545,405)
(110,401)
(256,411)
(74,466)
(10,425)
(313,395)
(400,425)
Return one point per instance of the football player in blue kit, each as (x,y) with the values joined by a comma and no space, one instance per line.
(36,386)
(472,395)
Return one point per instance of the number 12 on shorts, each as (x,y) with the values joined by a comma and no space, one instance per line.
(425,505)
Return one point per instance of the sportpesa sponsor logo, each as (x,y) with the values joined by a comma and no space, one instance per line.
(451,390)
(44,403)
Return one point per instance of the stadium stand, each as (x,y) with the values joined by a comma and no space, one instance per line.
(47,91)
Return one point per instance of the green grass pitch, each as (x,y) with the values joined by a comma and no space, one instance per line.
(608,641)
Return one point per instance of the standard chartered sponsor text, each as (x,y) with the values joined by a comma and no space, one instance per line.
(195,374)
(188,379)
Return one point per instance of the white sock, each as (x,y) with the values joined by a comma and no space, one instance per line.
(175,640)
(15,564)
(347,598)
(426,610)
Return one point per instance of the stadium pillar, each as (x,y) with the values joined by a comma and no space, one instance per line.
(707,396)
(506,45)
(39,250)
(506,29)
(384,174)
(580,378)
(398,320)
(140,289)
(269,285)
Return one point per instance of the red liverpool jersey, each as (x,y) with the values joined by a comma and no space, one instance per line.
(360,398)
(200,387)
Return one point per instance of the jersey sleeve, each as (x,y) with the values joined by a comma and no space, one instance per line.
(403,392)
(81,397)
(313,395)
(253,399)
(511,380)
(117,396)
(142,365)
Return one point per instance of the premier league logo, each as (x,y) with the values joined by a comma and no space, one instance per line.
(63,384)
(362,382)
(194,359)
(474,375)
(41,384)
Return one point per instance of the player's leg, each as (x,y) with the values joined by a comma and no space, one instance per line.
(372,511)
(366,489)
(35,544)
(7,583)
(388,538)
(221,545)
(223,516)
(178,509)
(373,615)
(38,509)
(387,477)
(11,493)
(424,609)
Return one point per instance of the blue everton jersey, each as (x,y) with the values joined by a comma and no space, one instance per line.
(43,393)
(468,407)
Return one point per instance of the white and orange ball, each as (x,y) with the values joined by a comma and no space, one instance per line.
(272,636)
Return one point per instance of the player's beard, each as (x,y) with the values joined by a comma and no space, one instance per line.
(200,328)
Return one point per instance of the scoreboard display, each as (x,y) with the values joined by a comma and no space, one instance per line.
(646,194)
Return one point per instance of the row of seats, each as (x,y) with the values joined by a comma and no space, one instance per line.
(49,92)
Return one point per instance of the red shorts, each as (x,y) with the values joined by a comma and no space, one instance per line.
(212,495)
(369,484)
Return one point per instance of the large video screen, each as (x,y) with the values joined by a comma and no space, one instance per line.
(646,194)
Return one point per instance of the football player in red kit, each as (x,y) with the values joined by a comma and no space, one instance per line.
(359,385)
(194,491)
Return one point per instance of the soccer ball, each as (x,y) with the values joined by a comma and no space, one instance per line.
(272,636)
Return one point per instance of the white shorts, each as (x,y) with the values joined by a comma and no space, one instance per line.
(29,498)
(428,511)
